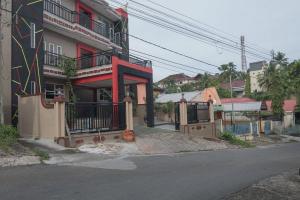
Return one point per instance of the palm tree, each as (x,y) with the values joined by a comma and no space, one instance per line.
(228,70)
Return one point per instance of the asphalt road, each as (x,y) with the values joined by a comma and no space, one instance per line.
(202,175)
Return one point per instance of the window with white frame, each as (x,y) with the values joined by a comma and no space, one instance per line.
(52,90)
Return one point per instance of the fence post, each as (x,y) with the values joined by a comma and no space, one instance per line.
(211,112)
(129,113)
(183,111)
(251,128)
(60,115)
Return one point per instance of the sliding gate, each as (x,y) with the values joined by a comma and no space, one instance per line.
(92,117)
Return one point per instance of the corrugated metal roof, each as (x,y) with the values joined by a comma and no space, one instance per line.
(249,106)
(176,97)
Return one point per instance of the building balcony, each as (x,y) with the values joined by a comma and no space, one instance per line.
(88,65)
(80,27)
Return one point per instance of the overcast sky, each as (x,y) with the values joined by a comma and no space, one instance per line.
(271,24)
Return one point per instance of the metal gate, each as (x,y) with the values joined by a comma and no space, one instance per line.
(94,117)
(177,116)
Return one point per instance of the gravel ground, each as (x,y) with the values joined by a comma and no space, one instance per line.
(281,187)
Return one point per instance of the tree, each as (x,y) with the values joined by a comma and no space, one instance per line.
(223,93)
(69,67)
(170,86)
(228,70)
(294,74)
(275,81)
(189,87)
(247,86)
(206,81)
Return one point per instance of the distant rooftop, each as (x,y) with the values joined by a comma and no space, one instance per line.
(257,65)
(177,77)
(237,100)
(235,84)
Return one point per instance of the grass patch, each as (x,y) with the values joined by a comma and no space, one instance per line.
(8,137)
(42,154)
(235,141)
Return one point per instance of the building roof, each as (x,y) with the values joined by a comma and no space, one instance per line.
(176,78)
(235,84)
(257,65)
(237,100)
(176,97)
(242,107)
(288,105)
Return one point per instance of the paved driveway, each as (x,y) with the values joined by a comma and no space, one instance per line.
(201,175)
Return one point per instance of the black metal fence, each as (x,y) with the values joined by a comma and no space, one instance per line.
(297,118)
(198,112)
(95,117)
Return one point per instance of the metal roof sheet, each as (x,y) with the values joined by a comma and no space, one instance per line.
(176,97)
(249,106)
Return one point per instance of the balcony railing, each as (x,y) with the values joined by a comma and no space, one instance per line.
(95,60)
(84,62)
(85,21)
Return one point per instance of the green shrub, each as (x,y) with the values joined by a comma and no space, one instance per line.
(232,139)
(8,136)
(42,154)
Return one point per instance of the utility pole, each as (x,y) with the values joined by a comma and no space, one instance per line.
(231,95)
(1,62)
(243,54)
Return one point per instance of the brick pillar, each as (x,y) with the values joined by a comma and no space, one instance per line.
(59,107)
(129,113)
(183,111)
(211,112)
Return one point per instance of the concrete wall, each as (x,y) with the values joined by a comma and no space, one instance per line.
(288,119)
(201,129)
(5,62)
(68,44)
(39,120)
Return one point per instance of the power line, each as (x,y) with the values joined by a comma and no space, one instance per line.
(199,22)
(185,28)
(172,51)
(234,51)
(164,63)
(170,61)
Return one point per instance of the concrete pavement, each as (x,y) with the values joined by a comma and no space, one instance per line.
(201,175)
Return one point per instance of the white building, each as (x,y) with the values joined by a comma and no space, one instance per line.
(256,69)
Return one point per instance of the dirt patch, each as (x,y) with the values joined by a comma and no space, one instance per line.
(281,187)
(18,154)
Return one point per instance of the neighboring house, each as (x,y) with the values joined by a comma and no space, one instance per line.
(289,107)
(256,69)
(92,34)
(191,97)
(237,100)
(196,96)
(177,79)
(238,87)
